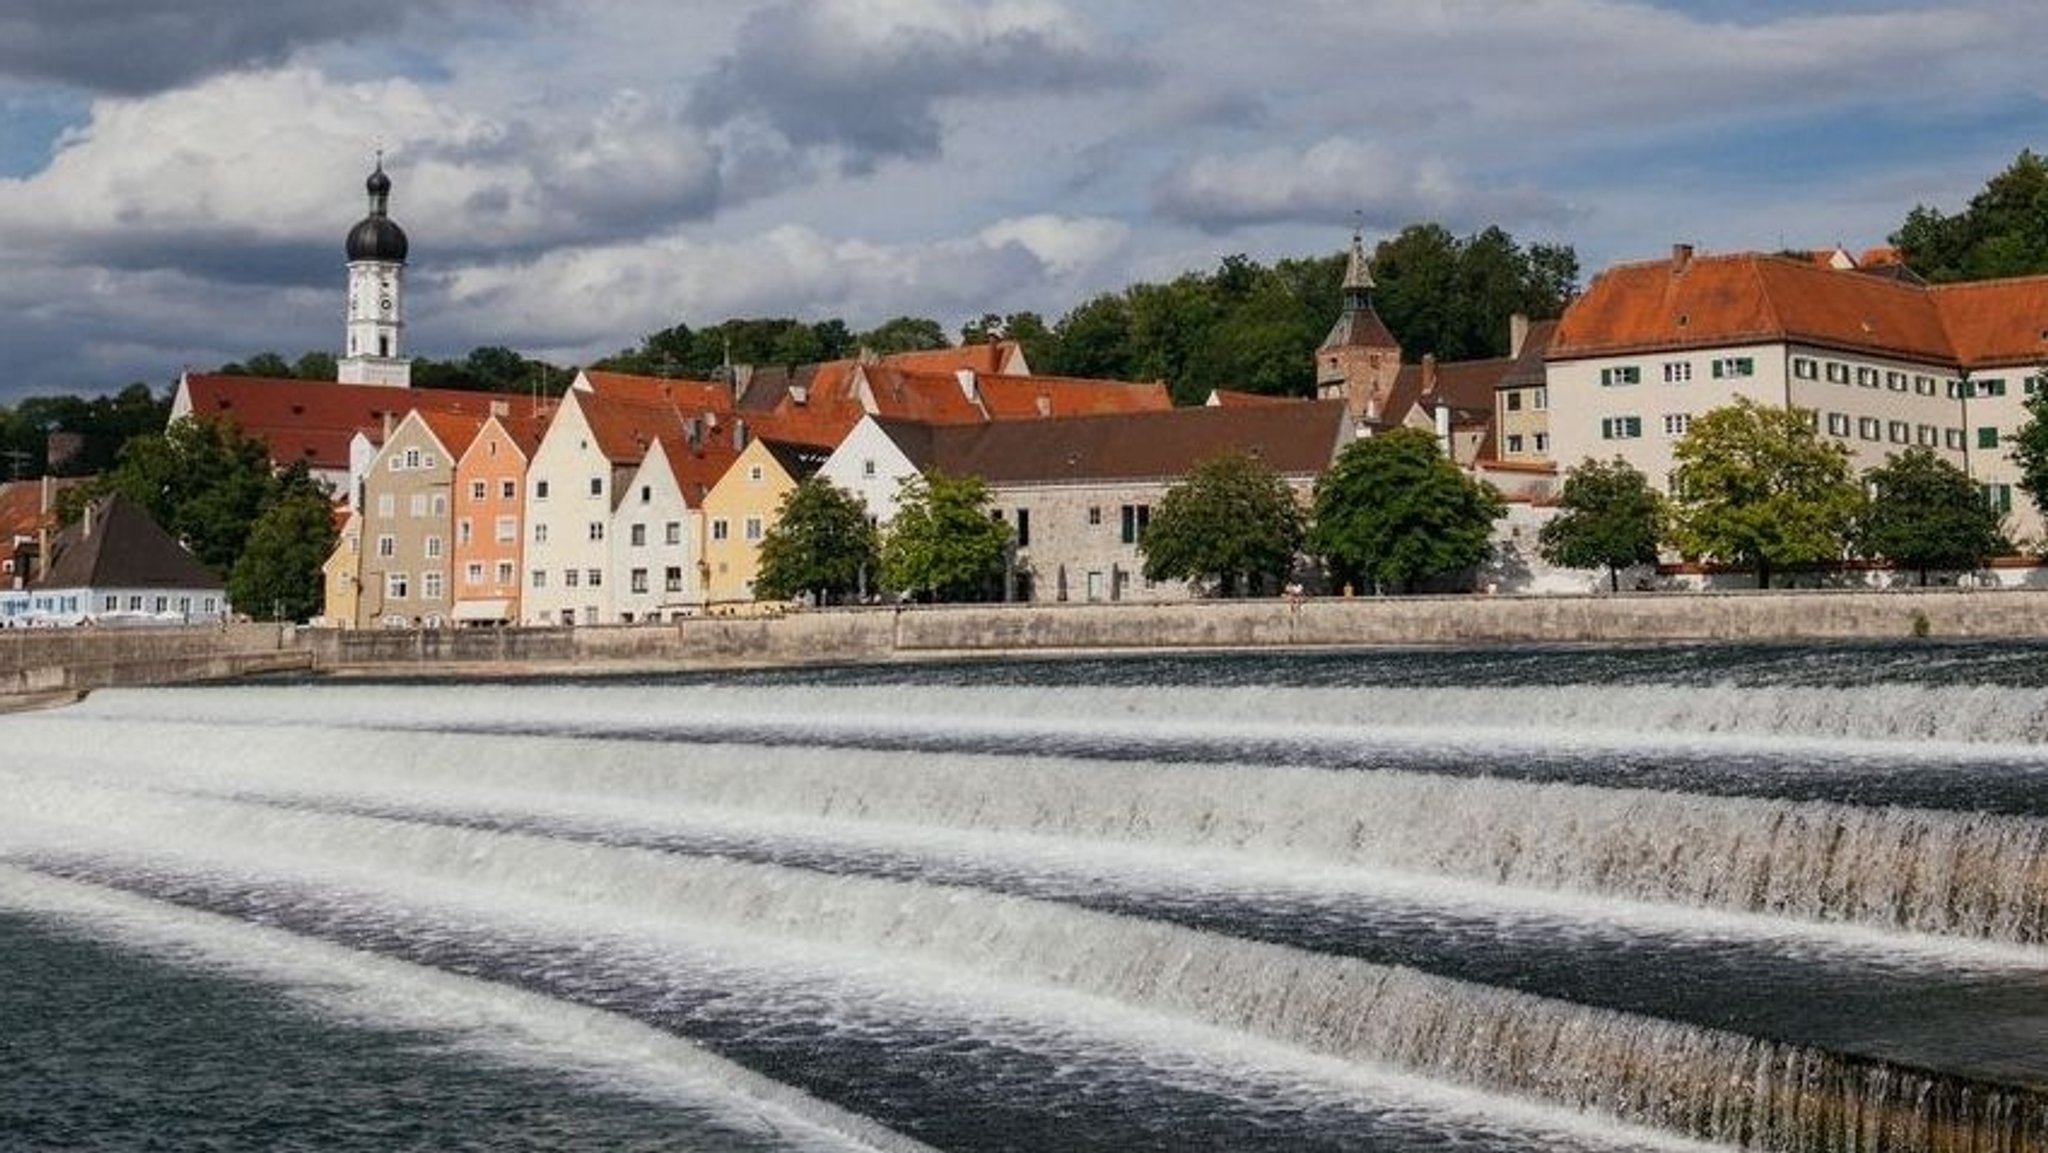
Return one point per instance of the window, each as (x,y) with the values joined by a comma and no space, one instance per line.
(1838,424)
(396,586)
(2032,386)
(1621,374)
(754,473)
(1869,427)
(718,529)
(508,488)
(646,493)
(440,503)
(1998,496)
(427,460)
(1987,438)
(430,585)
(434,548)
(463,534)
(1805,368)
(597,530)
(1539,398)
(1136,517)
(1866,377)
(1955,389)
(1621,428)
(1924,385)
(1023,528)
(1515,443)
(638,580)
(540,490)
(135,602)
(417,505)
(412,458)
(473,573)
(753,528)
(1680,371)
(1512,398)
(1930,436)
(1899,432)
(396,463)
(571,578)
(387,545)
(672,532)
(387,505)
(540,578)
(867,468)
(1952,438)
(1729,367)
(478,490)
(540,534)
(597,486)
(1094,514)
(595,577)
(1542,443)
(1676,423)
(672,578)
(1838,373)
(1993,387)
(504,573)
(637,536)
(1896,381)
(505,529)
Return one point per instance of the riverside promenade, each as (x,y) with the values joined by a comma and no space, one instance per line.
(45,665)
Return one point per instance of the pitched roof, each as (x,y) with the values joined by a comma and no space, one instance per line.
(800,461)
(688,395)
(455,430)
(1995,323)
(314,420)
(1706,301)
(117,545)
(1292,439)
(987,359)
(1032,397)
(1232,398)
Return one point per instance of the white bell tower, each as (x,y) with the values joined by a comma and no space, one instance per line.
(374,352)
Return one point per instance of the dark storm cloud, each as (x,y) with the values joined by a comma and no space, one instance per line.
(134,47)
(870,94)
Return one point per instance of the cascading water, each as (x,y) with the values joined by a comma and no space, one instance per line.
(1571,899)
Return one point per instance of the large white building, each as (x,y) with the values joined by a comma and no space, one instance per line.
(1884,362)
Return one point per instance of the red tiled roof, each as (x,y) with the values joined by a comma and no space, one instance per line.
(1996,323)
(1230,398)
(455,430)
(1027,397)
(688,395)
(1705,301)
(985,359)
(314,420)
(1292,439)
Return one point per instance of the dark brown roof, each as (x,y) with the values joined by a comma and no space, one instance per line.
(117,546)
(1292,439)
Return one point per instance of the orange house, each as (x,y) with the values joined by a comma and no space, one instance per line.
(490,494)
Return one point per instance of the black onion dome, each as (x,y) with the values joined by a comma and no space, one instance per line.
(377,236)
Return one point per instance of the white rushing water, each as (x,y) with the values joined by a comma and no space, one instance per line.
(611,876)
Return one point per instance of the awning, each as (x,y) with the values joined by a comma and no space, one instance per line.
(497,610)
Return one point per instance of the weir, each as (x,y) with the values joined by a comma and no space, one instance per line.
(843,844)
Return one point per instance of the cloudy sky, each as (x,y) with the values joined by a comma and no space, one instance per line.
(176,179)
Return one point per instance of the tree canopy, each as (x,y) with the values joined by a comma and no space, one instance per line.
(1611,519)
(1926,513)
(1452,296)
(2003,232)
(821,543)
(278,575)
(204,481)
(1757,486)
(75,436)
(1233,522)
(943,543)
(1393,511)
(2030,446)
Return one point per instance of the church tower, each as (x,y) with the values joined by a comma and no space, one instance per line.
(373,352)
(1360,359)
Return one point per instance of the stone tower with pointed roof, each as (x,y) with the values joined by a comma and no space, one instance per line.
(373,352)
(1360,359)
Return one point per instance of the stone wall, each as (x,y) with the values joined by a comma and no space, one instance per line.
(44,660)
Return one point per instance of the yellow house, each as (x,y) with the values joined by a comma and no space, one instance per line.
(740,509)
(339,576)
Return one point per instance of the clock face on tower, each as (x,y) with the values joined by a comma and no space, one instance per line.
(384,304)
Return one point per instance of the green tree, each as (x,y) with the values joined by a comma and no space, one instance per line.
(315,365)
(2003,232)
(2030,446)
(905,334)
(1925,513)
(278,575)
(1233,522)
(1612,519)
(204,481)
(1757,486)
(943,543)
(821,543)
(1452,297)
(1393,511)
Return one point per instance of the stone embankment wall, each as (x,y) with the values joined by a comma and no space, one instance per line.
(53,660)
(60,660)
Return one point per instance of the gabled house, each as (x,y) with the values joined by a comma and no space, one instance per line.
(406,546)
(658,525)
(489,508)
(118,566)
(342,573)
(875,458)
(741,509)
(28,518)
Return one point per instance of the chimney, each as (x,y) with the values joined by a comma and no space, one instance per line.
(1518,334)
(91,508)
(739,435)
(1681,256)
(1429,374)
(1443,431)
(501,408)
(1044,405)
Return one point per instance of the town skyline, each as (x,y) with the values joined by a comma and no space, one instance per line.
(576,177)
